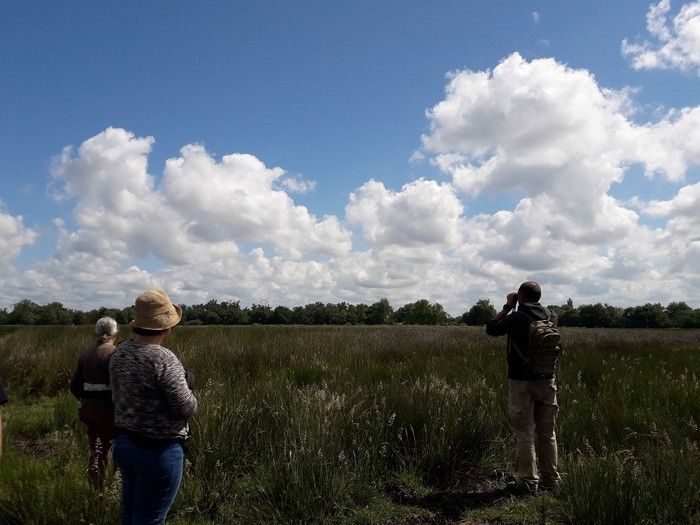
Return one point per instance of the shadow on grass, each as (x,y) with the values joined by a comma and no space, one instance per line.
(448,506)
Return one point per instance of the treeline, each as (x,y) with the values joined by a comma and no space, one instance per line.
(676,314)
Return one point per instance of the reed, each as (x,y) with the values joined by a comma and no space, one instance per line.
(310,424)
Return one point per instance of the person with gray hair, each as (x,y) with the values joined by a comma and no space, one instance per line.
(91,386)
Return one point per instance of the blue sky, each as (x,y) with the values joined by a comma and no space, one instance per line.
(331,92)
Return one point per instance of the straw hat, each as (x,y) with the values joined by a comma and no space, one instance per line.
(154,311)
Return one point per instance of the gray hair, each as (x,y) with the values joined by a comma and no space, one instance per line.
(105,328)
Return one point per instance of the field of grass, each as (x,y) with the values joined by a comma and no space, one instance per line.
(372,425)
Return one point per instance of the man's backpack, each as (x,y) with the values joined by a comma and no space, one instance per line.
(542,354)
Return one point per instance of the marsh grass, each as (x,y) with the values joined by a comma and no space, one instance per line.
(307,424)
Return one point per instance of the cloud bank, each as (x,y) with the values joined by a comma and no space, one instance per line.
(229,227)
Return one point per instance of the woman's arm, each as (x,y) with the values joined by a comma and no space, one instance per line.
(76,384)
(174,386)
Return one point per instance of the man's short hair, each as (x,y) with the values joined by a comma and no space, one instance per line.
(530,291)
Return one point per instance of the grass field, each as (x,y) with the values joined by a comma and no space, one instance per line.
(370,425)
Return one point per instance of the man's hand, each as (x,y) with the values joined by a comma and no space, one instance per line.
(511,301)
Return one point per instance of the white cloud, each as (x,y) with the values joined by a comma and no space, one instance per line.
(555,136)
(677,42)
(535,17)
(202,210)
(685,206)
(422,213)
(541,128)
(192,225)
(298,185)
(228,228)
(236,198)
(14,235)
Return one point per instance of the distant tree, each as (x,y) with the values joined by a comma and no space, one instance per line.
(479,314)
(599,315)
(421,312)
(300,315)
(317,313)
(568,315)
(676,314)
(232,313)
(260,314)
(692,319)
(646,316)
(357,313)
(24,312)
(337,313)
(379,312)
(679,314)
(281,315)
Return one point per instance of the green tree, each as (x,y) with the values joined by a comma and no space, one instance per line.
(281,315)
(379,312)
(24,312)
(599,316)
(679,314)
(479,314)
(260,314)
(646,316)
(568,315)
(421,312)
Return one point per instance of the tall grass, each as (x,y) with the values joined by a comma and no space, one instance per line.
(306,424)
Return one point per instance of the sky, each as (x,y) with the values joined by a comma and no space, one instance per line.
(289,152)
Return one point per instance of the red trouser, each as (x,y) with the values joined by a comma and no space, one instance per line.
(100,429)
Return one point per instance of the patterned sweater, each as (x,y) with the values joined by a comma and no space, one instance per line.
(149,391)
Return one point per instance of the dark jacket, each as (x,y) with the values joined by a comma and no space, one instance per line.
(516,326)
(3,397)
(90,383)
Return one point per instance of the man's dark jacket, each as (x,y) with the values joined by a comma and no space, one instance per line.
(3,397)
(516,326)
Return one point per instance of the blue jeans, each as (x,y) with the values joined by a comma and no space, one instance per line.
(150,480)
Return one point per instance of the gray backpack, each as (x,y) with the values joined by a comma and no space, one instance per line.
(543,351)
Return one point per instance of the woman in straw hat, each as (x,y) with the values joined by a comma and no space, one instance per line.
(90,384)
(152,401)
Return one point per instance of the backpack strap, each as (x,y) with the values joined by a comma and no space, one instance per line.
(524,359)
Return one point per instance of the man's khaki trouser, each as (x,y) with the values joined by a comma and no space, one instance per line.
(532,412)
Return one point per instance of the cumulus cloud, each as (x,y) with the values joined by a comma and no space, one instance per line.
(229,228)
(553,135)
(14,235)
(422,213)
(236,198)
(543,129)
(203,208)
(191,222)
(676,42)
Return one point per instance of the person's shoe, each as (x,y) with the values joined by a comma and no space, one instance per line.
(547,487)
(520,488)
